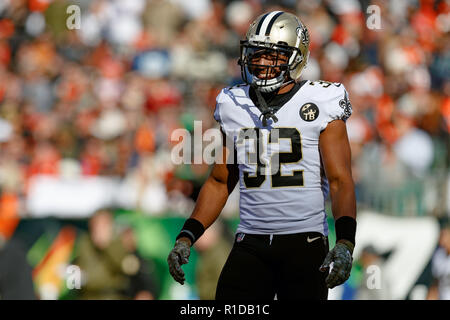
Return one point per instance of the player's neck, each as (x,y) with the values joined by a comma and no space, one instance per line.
(286,88)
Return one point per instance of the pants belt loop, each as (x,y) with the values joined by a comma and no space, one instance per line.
(271,237)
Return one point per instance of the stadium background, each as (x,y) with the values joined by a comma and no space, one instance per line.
(86,117)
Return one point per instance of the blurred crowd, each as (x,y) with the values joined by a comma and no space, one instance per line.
(103,100)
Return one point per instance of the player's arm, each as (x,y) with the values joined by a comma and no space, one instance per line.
(336,157)
(211,200)
(215,192)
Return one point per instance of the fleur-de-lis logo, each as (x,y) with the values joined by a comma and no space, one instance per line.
(303,34)
(346,106)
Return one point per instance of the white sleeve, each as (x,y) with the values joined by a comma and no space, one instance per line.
(337,105)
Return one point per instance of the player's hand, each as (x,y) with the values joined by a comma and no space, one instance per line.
(341,257)
(178,256)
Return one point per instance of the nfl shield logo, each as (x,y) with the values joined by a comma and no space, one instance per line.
(240,237)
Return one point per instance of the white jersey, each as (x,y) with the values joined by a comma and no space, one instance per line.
(282,183)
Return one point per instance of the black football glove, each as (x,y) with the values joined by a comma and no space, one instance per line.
(341,257)
(178,256)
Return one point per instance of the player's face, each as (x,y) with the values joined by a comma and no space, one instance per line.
(267,64)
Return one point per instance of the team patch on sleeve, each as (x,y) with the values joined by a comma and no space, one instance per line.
(346,106)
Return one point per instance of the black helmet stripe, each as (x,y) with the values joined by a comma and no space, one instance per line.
(267,20)
(272,21)
(260,23)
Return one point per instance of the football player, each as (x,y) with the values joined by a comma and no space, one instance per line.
(291,147)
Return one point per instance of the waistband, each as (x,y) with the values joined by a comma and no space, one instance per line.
(282,236)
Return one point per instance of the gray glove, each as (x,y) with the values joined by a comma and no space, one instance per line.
(178,256)
(341,257)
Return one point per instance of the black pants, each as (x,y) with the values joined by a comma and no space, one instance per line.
(259,267)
